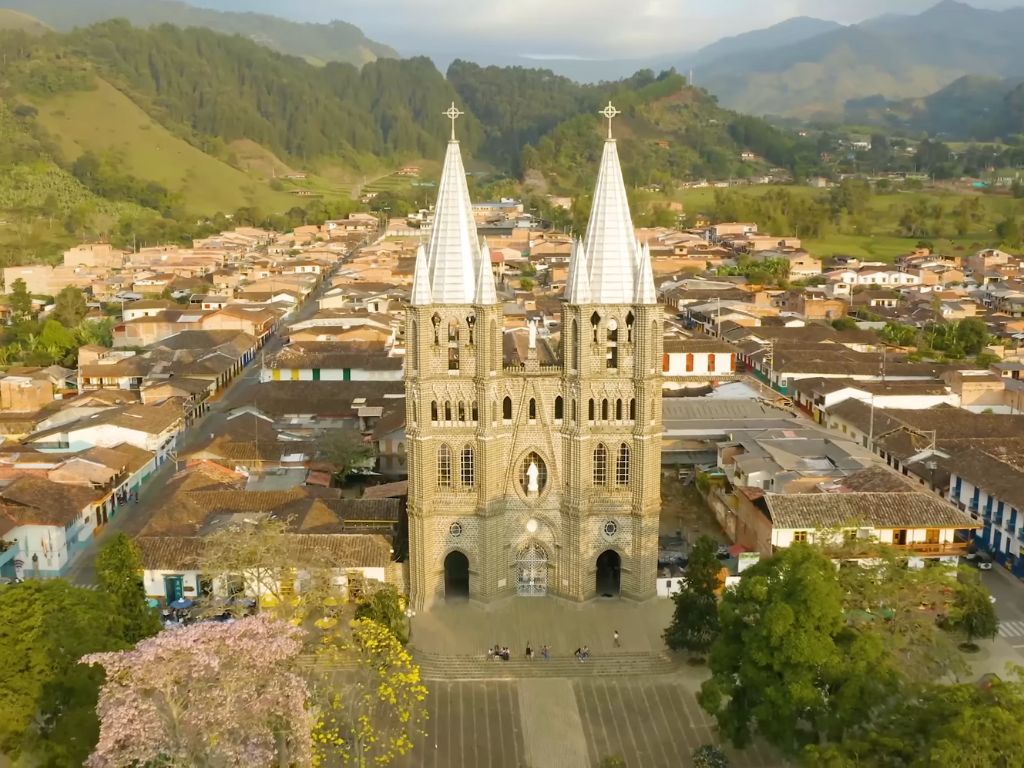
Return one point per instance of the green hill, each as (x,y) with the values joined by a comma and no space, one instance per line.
(15,20)
(317,43)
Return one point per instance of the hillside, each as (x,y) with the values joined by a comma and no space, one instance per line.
(788,32)
(317,43)
(895,57)
(15,20)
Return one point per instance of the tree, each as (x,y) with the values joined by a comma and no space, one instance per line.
(844,324)
(119,574)
(1009,231)
(345,450)
(207,694)
(973,613)
(70,307)
(372,719)
(709,756)
(47,700)
(777,654)
(21,300)
(694,624)
(386,606)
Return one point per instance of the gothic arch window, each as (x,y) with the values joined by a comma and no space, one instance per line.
(600,465)
(533,409)
(604,410)
(630,319)
(414,408)
(612,350)
(575,345)
(595,321)
(471,325)
(590,410)
(506,409)
(413,340)
(436,320)
(467,473)
(447,411)
(558,408)
(433,410)
(444,467)
(462,411)
(618,410)
(453,331)
(473,413)
(632,409)
(622,466)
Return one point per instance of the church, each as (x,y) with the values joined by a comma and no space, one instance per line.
(533,471)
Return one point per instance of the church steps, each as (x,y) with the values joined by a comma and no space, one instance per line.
(438,667)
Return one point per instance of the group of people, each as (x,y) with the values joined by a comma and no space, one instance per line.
(502,652)
(582,653)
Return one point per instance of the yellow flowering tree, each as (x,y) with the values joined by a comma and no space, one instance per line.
(369,697)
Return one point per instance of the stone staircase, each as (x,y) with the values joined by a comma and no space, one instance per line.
(618,664)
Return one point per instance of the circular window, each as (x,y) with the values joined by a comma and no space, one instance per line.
(610,528)
(455,530)
(532,525)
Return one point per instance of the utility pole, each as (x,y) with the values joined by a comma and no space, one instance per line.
(871,426)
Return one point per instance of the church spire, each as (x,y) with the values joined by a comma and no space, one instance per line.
(453,251)
(577,286)
(485,293)
(645,290)
(610,244)
(420,280)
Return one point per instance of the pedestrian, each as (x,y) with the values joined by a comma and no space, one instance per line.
(615,639)
(545,652)
(529,651)
(585,653)
(579,654)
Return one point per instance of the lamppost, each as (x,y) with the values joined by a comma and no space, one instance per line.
(409,615)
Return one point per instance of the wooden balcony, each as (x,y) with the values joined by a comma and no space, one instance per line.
(925,548)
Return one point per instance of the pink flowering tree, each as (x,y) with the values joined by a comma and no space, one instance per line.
(209,694)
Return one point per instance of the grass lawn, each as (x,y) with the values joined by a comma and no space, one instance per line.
(105,120)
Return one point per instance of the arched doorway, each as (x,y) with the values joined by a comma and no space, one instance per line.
(456,576)
(609,570)
(532,571)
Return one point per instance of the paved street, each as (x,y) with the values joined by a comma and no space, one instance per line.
(1009,594)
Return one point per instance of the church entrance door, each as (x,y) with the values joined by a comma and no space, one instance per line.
(456,576)
(609,570)
(532,571)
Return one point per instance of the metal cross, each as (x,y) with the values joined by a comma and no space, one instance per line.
(453,114)
(609,112)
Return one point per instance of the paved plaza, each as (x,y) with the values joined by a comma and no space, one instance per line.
(567,719)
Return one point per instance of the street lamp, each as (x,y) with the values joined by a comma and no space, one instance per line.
(409,615)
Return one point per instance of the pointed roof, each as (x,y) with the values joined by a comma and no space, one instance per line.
(420,280)
(453,251)
(611,242)
(577,286)
(485,293)
(645,291)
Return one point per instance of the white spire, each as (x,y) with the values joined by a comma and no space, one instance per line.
(453,251)
(611,242)
(420,280)
(485,293)
(577,286)
(645,291)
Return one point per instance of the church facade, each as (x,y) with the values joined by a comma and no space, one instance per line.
(534,463)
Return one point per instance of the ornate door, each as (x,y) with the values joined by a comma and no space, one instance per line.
(532,571)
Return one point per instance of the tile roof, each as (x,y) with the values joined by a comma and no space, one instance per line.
(878,510)
(344,550)
(998,473)
(31,500)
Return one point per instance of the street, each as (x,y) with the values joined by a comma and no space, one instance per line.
(1009,594)
(132,518)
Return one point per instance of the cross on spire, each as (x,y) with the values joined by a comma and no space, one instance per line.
(609,112)
(453,114)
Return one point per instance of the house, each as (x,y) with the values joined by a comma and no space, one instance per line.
(691,357)
(329,361)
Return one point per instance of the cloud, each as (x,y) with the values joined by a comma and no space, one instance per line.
(575,28)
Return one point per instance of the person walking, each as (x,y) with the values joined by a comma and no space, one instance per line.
(529,651)
(545,653)
(615,639)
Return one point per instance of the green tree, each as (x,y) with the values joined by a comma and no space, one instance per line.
(694,625)
(70,307)
(1009,232)
(48,700)
(777,655)
(973,613)
(844,324)
(55,341)
(345,450)
(21,301)
(386,606)
(119,574)
(709,756)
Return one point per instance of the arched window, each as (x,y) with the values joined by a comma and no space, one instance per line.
(466,469)
(575,345)
(558,408)
(533,409)
(453,331)
(590,410)
(462,411)
(612,351)
(632,409)
(433,410)
(447,411)
(618,410)
(600,465)
(474,415)
(506,409)
(411,344)
(444,467)
(595,321)
(711,362)
(471,325)
(436,320)
(689,362)
(630,319)
(622,466)
(604,410)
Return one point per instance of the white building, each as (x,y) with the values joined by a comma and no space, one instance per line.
(990,487)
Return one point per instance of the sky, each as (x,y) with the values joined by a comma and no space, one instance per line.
(600,29)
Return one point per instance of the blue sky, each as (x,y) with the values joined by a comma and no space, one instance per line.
(589,28)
